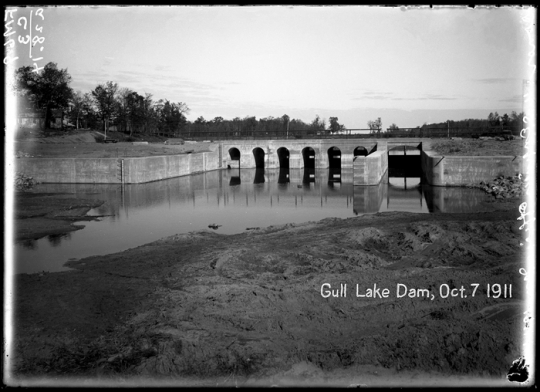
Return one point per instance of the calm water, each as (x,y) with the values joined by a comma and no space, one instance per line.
(236,200)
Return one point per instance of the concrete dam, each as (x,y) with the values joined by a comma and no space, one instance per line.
(367,158)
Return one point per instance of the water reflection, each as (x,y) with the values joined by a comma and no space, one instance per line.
(236,199)
(334,175)
(56,239)
(453,199)
(28,244)
(259,176)
(283,177)
(405,194)
(235,177)
(309,175)
(368,199)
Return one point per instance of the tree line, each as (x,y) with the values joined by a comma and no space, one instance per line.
(512,122)
(109,106)
(250,124)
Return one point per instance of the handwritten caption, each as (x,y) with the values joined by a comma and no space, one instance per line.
(23,30)
(529,161)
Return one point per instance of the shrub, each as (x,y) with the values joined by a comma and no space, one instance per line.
(24,183)
(504,188)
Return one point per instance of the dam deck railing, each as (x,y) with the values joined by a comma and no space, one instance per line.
(347,134)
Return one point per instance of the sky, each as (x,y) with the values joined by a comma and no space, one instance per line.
(406,65)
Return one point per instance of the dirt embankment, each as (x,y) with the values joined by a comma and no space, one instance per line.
(250,308)
(83,144)
(475,147)
(100,150)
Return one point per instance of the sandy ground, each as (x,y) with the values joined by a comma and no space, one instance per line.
(210,309)
(206,309)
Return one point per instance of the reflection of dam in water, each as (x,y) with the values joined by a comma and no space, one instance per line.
(391,194)
(236,199)
(400,188)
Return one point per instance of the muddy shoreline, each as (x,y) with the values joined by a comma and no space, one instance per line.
(203,308)
(37,215)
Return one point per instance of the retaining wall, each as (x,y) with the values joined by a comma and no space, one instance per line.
(440,170)
(117,170)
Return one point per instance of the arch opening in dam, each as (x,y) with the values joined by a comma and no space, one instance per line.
(283,156)
(334,158)
(334,165)
(284,172)
(308,155)
(360,151)
(258,155)
(234,153)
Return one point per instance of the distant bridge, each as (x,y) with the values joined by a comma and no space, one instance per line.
(355,133)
